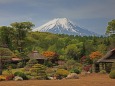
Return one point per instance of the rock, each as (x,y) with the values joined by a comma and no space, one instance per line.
(72,76)
(88,72)
(51,78)
(17,78)
(85,73)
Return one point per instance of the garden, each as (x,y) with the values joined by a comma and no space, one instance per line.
(62,60)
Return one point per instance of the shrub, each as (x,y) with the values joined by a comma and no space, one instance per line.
(38,71)
(87,68)
(6,65)
(50,71)
(29,77)
(72,64)
(31,62)
(61,73)
(2,78)
(102,72)
(48,63)
(112,74)
(14,66)
(20,65)
(20,74)
(9,77)
(75,70)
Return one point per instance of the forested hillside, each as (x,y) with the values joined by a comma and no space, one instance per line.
(20,39)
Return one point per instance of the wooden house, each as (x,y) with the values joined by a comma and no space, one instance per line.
(105,63)
(35,55)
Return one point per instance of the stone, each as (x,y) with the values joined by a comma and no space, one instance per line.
(85,73)
(17,78)
(72,76)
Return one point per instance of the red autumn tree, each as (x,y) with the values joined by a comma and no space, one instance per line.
(50,55)
(95,55)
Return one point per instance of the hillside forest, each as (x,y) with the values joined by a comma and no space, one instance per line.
(21,40)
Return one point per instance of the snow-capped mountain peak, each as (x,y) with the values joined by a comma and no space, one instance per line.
(63,22)
(63,26)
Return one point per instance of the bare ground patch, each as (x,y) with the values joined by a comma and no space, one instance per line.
(89,80)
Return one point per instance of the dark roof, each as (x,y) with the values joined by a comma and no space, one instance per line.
(109,57)
(35,55)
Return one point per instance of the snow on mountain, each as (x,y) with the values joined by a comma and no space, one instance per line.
(63,26)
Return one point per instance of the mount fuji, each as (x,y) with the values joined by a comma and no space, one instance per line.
(64,26)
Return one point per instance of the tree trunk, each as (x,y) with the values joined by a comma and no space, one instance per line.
(0,66)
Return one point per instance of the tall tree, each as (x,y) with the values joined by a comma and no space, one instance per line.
(111,27)
(111,31)
(7,36)
(22,28)
(5,54)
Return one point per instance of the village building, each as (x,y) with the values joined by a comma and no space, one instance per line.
(36,55)
(105,63)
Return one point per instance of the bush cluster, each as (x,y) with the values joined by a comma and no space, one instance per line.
(21,74)
(102,72)
(112,74)
(2,78)
(38,71)
(48,63)
(87,68)
(72,66)
(61,73)
(75,70)
(31,62)
(10,77)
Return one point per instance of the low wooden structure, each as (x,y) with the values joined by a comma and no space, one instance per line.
(105,63)
(35,55)
(16,60)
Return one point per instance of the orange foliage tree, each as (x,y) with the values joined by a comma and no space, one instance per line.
(95,55)
(50,55)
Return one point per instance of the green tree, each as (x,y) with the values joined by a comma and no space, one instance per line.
(71,51)
(89,47)
(5,54)
(112,41)
(74,51)
(102,48)
(111,27)
(7,36)
(22,29)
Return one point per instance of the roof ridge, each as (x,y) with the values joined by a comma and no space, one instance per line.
(113,49)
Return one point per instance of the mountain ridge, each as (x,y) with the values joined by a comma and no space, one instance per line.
(64,26)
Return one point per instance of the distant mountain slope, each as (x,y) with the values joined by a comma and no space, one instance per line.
(63,26)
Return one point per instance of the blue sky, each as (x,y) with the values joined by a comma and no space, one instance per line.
(89,14)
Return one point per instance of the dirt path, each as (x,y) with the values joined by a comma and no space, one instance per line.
(90,80)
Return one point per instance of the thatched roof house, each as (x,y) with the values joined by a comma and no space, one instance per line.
(109,57)
(36,55)
(105,63)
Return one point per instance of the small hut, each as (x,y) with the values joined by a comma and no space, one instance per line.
(105,63)
(35,55)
